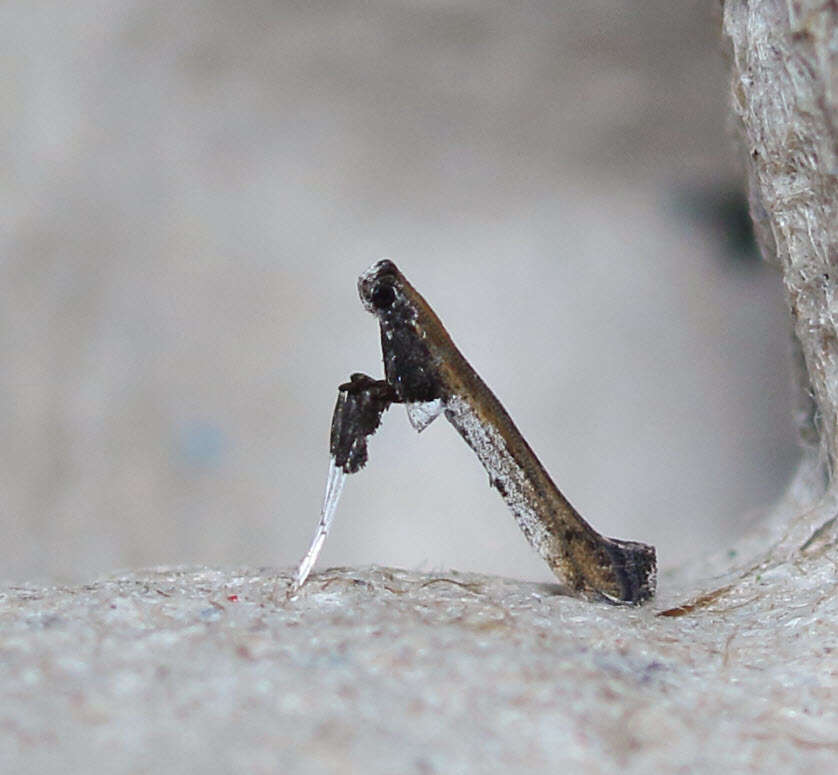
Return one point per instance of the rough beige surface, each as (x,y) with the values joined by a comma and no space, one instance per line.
(382,671)
(785,94)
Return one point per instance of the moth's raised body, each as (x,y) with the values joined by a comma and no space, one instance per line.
(425,371)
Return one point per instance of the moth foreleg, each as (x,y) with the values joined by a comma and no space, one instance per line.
(361,403)
(357,415)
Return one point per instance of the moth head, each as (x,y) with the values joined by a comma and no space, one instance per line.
(382,288)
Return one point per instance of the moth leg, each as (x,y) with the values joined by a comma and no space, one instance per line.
(357,415)
(361,403)
(422,413)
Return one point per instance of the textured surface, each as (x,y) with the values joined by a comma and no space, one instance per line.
(785,92)
(783,69)
(383,671)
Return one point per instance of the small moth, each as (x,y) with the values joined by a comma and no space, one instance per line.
(425,371)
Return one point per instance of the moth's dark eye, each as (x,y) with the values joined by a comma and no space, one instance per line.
(383,296)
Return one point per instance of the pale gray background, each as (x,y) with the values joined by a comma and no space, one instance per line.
(190,189)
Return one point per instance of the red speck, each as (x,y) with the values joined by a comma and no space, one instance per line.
(233,598)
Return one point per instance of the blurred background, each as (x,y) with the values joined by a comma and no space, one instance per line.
(189,191)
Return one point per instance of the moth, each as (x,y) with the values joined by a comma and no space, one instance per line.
(424,370)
